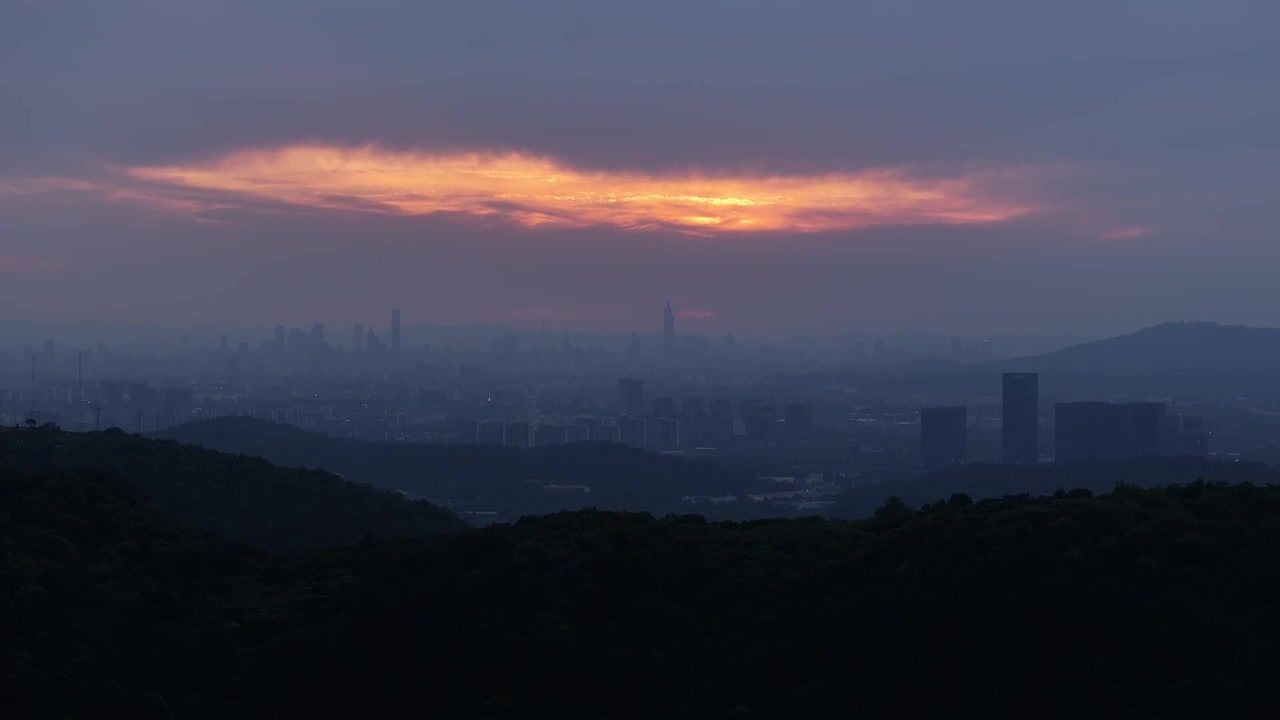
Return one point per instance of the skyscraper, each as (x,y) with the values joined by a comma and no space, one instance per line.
(944,436)
(395,331)
(668,328)
(1091,430)
(1021,418)
(1107,431)
(1145,421)
(799,418)
(631,395)
(357,338)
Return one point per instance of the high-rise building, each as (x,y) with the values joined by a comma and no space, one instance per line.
(545,435)
(518,435)
(692,407)
(1185,435)
(605,433)
(491,433)
(799,418)
(721,408)
(944,436)
(1021,418)
(1088,431)
(576,433)
(395,331)
(631,431)
(668,328)
(1145,422)
(280,337)
(631,395)
(759,421)
(662,434)
(664,407)
(357,338)
(1107,431)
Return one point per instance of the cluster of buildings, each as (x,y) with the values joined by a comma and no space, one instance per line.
(1082,430)
(664,426)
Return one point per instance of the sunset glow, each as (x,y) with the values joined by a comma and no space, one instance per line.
(537,191)
(1129,232)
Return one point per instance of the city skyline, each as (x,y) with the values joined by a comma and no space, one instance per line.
(670,359)
(365,336)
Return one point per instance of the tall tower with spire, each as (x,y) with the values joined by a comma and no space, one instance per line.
(668,328)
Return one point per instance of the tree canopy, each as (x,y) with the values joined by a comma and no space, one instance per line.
(1141,602)
(240,497)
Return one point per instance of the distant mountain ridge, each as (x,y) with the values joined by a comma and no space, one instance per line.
(510,481)
(1178,347)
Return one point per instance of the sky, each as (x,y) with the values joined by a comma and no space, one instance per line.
(988,167)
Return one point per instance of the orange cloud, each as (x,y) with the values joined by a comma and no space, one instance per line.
(1126,233)
(63,187)
(538,191)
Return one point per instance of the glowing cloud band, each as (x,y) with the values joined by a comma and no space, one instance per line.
(537,191)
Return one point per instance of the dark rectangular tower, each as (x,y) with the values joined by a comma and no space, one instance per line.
(1097,430)
(631,396)
(1021,418)
(668,328)
(944,436)
(1088,430)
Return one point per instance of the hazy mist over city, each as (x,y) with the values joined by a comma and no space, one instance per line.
(701,359)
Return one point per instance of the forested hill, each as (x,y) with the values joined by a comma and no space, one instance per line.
(480,476)
(110,608)
(239,497)
(1144,603)
(981,480)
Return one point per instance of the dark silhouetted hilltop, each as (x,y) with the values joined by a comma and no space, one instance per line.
(240,497)
(1140,603)
(981,481)
(113,608)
